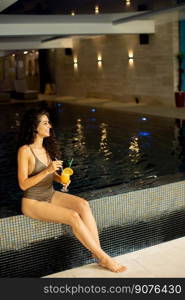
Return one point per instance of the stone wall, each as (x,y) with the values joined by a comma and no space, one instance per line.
(152,78)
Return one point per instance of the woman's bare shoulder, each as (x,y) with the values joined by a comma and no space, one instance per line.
(24,149)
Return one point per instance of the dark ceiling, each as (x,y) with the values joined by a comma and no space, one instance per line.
(62,6)
(84,6)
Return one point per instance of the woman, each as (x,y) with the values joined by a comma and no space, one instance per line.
(37,168)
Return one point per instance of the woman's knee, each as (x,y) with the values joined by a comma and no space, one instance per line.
(75,219)
(83,206)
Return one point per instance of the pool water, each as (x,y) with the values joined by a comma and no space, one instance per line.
(109,148)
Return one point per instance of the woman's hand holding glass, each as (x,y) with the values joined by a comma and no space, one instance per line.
(54,166)
(65,186)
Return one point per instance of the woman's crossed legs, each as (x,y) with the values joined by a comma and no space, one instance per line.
(73,211)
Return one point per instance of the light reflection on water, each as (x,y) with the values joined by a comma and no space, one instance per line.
(107,146)
(111,148)
(104,141)
(79,138)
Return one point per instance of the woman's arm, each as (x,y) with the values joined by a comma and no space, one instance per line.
(57,177)
(25,182)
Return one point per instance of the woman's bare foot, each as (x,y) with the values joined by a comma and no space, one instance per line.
(111,265)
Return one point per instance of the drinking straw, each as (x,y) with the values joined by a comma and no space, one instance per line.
(61,168)
(70,163)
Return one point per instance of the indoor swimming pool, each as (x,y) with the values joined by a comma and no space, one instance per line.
(113,151)
(130,166)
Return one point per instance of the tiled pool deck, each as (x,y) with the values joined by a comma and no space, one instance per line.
(165,260)
(127,222)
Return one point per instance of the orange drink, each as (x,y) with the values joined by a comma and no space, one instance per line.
(68,171)
(65,176)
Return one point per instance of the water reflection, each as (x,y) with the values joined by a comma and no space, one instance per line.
(79,138)
(104,144)
(134,150)
(135,156)
(106,147)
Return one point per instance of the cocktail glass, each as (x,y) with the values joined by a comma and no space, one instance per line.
(65,178)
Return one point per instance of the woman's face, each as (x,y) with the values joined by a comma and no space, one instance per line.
(44,126)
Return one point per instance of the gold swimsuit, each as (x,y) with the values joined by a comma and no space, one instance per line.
(42,191)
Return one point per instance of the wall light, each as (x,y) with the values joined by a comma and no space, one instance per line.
(131,57)
(73,13)
(127,2)
(96,9)
(75,63)
(99,60)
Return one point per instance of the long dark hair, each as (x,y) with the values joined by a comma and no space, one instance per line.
(28,129)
